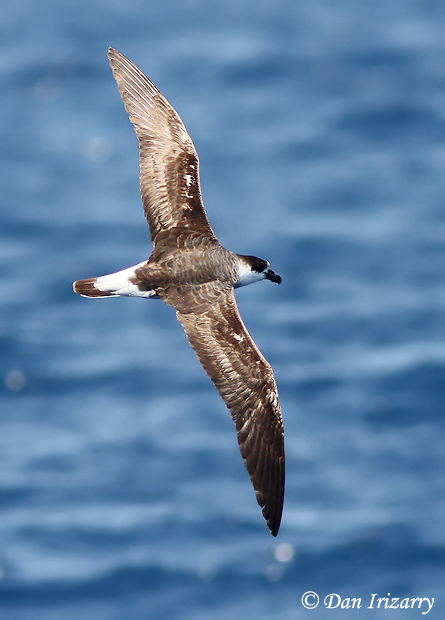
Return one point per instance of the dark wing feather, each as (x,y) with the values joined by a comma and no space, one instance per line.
(246,383)
(169,176)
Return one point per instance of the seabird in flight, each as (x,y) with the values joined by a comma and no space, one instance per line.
(189,270)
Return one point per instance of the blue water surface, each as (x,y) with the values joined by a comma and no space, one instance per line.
(321,132)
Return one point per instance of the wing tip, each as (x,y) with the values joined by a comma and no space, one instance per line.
(113,52)
(272,509)
(274,522)
(114,57)
(269,491)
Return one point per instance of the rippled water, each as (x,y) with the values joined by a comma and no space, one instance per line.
(321,132)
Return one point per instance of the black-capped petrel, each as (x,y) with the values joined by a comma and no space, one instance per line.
(191,271)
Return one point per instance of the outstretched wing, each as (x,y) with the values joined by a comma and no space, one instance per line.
(169,176)
(246,383)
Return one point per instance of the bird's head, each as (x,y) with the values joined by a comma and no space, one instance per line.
(253,269)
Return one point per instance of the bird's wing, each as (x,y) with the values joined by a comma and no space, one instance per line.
(246,383)
(169,173)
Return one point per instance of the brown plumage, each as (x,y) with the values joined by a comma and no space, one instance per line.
(246,383)
(191,271)
(169,176)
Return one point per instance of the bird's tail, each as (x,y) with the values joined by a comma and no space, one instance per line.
(120,283)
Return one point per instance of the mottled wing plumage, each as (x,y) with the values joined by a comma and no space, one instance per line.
(169,173)
(192,272)
(246,383)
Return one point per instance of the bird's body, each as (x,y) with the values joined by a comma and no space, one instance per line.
(189,270)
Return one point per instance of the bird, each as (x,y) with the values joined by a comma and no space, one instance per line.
(191,271)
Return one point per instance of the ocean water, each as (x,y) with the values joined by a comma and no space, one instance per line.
(321,132)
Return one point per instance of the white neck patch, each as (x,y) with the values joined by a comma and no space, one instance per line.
(247,276)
